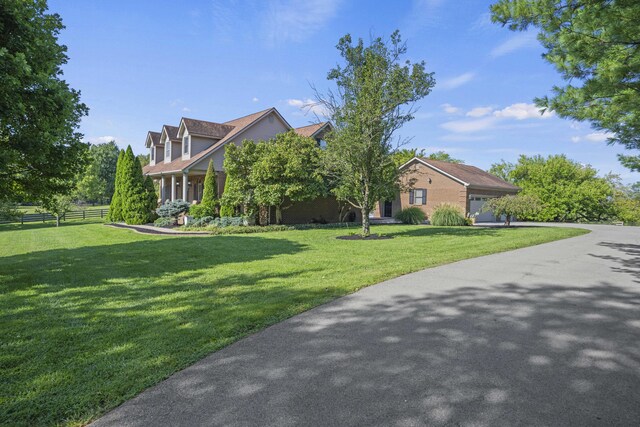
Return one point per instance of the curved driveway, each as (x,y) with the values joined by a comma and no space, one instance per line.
(546,335)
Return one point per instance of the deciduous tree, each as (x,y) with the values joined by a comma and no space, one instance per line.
(375,90)
(41,152)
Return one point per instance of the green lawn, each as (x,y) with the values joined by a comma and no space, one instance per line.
(91,315)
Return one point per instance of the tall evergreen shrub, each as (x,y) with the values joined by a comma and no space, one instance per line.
(115,208)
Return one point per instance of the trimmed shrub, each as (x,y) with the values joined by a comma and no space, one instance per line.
(413,215)
(201,222)
(230,221)
(447,215)
(209,202)
(200,211)
(115,208)
(164,221)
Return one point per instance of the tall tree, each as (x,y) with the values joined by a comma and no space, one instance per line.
(373,98)
(41,152)
(595,46)
(503,170)
(143,159)
(115,208)
(443,156)
(238,189)
(97,181)
(135,198)
(286,169)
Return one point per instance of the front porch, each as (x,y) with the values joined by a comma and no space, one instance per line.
(185,186)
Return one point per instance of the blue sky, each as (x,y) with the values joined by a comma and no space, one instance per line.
(141,64)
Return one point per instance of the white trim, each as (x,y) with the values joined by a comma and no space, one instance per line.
(466,184)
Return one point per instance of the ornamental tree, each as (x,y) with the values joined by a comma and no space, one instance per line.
(595,46)
(522,206)
(238,190)
(373,98)
(115,208)
(210,200)
(286,170)
(135,199)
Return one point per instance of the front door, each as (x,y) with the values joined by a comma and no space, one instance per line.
(388,213)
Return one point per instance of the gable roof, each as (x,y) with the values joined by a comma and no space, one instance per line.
(311,130)
(239,125)
(469,176)
(154,137)
(205,128)
(172,132)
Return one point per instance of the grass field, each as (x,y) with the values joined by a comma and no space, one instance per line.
(91,315)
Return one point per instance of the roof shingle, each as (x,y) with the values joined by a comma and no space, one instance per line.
(472,175)
(310,129)
(204,128)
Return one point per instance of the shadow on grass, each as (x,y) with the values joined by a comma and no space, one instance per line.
(76,320)
(48,224)
(541,354)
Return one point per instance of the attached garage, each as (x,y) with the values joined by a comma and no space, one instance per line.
(476,202)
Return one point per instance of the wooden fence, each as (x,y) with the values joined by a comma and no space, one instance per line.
(71,215)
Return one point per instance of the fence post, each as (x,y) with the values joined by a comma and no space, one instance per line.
(42,216)
(83,214)
(22,219)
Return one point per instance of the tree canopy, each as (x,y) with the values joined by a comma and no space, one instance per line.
(403,155)
(41,152)
(595,46)
(97,182)
(375,91)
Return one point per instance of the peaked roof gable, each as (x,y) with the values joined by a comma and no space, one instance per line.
(170,132)
(153,138)
(205,128)
(311,130)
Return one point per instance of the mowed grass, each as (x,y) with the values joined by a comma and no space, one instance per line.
(91,315)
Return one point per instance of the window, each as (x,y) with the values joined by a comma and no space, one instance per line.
(167,150)
(185,144)
(418,196)
(153,152)
(322,143)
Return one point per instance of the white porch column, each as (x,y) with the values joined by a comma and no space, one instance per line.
(185,185)
(173,187)
(162,189)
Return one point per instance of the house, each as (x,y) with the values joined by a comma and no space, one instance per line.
(435,182)
(179,157)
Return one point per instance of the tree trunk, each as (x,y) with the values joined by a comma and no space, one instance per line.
(57,220)
(507,221)
(366,231)
(278,215)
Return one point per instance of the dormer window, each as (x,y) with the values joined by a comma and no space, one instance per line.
(167,150)
(153,152)
(185,144)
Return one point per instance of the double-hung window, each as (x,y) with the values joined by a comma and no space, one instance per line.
(185,144)
(167,150)
(418,196)
(153,152)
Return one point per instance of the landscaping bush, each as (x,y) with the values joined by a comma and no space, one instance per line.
(227,211)
(201,222)
(200,211)
(447,215)
(413,215)
(230,221)
(164,221)
(173,209)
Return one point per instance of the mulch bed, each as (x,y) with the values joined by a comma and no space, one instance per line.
(370,237)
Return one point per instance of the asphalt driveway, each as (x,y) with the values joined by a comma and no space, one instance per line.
(547,335)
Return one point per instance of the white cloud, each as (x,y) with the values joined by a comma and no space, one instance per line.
(483,22)
(598,136)
(102,139)
(295,21)
(575,139)
(521,111)
(519,41)
(309,106)
(466,126)
(457,81)
(480,111)
(423,13)
(186,109)
(255,99)
(450,109)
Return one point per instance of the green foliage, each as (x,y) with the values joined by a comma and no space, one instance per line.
(521,206)
(594,47)
(502,170)
(403,155)
(136,205)
(238,190)
(443,156)
(200,221)
(96,184)
(286,169)
(57,206)
(41,152)
(8,210)
(199,211)
(164,221)
(151,196)
(568,190)
(412,215)
(226,210)
(143,159)
(447,215)
(115,208)
(209,204)
(373,86)
(173,209)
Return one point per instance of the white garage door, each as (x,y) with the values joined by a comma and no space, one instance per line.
(475,206)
